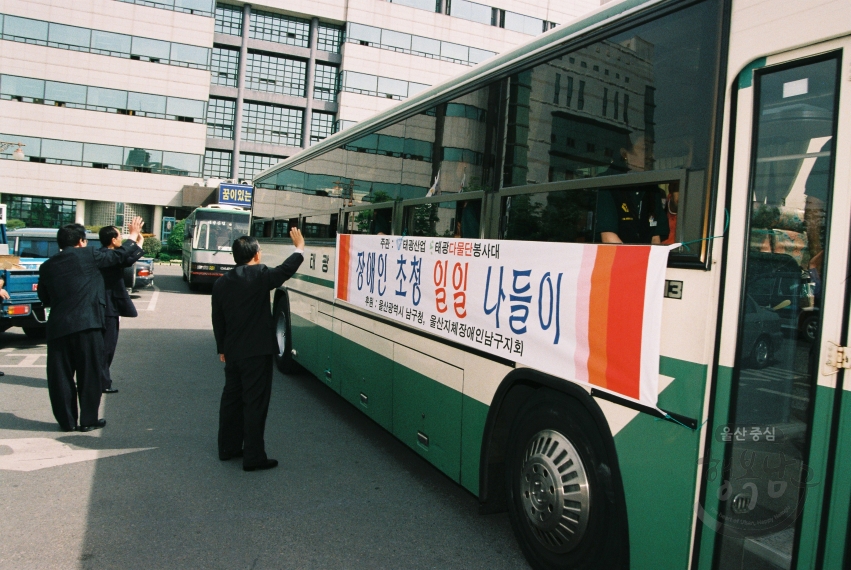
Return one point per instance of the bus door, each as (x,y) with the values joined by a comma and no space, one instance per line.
(777,491)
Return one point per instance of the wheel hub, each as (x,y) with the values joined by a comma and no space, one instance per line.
(554,491)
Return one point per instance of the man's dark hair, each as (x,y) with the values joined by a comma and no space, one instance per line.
(70,235)
(244,249)
(107,234)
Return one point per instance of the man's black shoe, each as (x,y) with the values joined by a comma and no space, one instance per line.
(110,390)
(226,456)
(98,425)
(269,464)
(72,428)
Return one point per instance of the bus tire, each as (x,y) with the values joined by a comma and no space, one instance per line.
(283,331)
(184,277)
(555,458)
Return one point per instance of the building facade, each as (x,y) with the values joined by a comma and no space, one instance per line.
(133,107)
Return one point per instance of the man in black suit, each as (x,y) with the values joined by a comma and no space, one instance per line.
(245,340)
(118,303)
(70,284)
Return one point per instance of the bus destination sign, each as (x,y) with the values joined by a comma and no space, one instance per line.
(236,194)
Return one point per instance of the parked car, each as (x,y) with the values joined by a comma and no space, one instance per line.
(144,273)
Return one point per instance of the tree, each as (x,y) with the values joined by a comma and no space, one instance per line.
(175,240)
(151,246)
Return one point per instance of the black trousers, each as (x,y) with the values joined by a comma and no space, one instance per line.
(245,403)
(110,341)
(79,353)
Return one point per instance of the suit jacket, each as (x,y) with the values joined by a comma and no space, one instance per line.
(70,284)
(118,303)
(242,314)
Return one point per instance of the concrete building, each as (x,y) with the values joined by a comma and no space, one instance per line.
(131,107)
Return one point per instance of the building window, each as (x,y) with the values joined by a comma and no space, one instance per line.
(217,163)
(228,20)
(617,105)
(625,108)
(272,124)
(557,89)
(325,83)
(251,164)
(38,212)
(225,67)
(569,96)
(321,126)
(329,38)
(605,101)
(275,74)
(281,29)
(580,103)
(220,118)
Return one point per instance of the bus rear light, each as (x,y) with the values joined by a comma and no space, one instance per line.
(144,273)
(18,310)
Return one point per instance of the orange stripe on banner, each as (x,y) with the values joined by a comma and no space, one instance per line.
(626,320)
(343,267)
(598,318)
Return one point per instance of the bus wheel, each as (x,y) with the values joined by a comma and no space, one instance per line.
(284,357)
(559,488)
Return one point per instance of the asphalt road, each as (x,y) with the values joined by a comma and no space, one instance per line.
(148,491)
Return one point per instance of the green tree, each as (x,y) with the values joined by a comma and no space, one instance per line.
(175,240)
(151,246)
(15,224)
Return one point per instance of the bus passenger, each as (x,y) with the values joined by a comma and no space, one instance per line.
(633,214)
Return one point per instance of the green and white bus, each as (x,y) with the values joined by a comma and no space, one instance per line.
(740,113)
(207,240)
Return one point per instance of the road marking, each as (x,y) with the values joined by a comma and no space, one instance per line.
(28,361)
(33,453)
(152,304)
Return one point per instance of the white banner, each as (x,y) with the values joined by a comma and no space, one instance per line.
(585,313)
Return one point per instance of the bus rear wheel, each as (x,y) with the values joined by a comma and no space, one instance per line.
(559,488)
(284,357)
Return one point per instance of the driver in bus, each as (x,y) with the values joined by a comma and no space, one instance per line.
(633,214)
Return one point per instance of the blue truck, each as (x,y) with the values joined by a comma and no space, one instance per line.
(23,308)
(33,246)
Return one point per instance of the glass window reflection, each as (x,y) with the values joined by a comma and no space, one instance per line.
(107,41)
(65,92)
(69,35)
(21,87)
(145,103)
(25,28)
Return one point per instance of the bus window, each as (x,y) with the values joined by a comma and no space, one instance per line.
(201,237)
(566,216)
(320,226)
(378,221)
(281,228)
(444,219)
(216,231)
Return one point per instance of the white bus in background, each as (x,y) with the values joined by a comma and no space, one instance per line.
(208,235)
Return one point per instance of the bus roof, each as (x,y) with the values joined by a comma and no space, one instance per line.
(492,67)
(223,208)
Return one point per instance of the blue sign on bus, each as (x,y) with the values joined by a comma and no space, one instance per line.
(236,194)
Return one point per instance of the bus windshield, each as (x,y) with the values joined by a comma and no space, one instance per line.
(216,231)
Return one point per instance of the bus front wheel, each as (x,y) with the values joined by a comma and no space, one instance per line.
(559,488)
